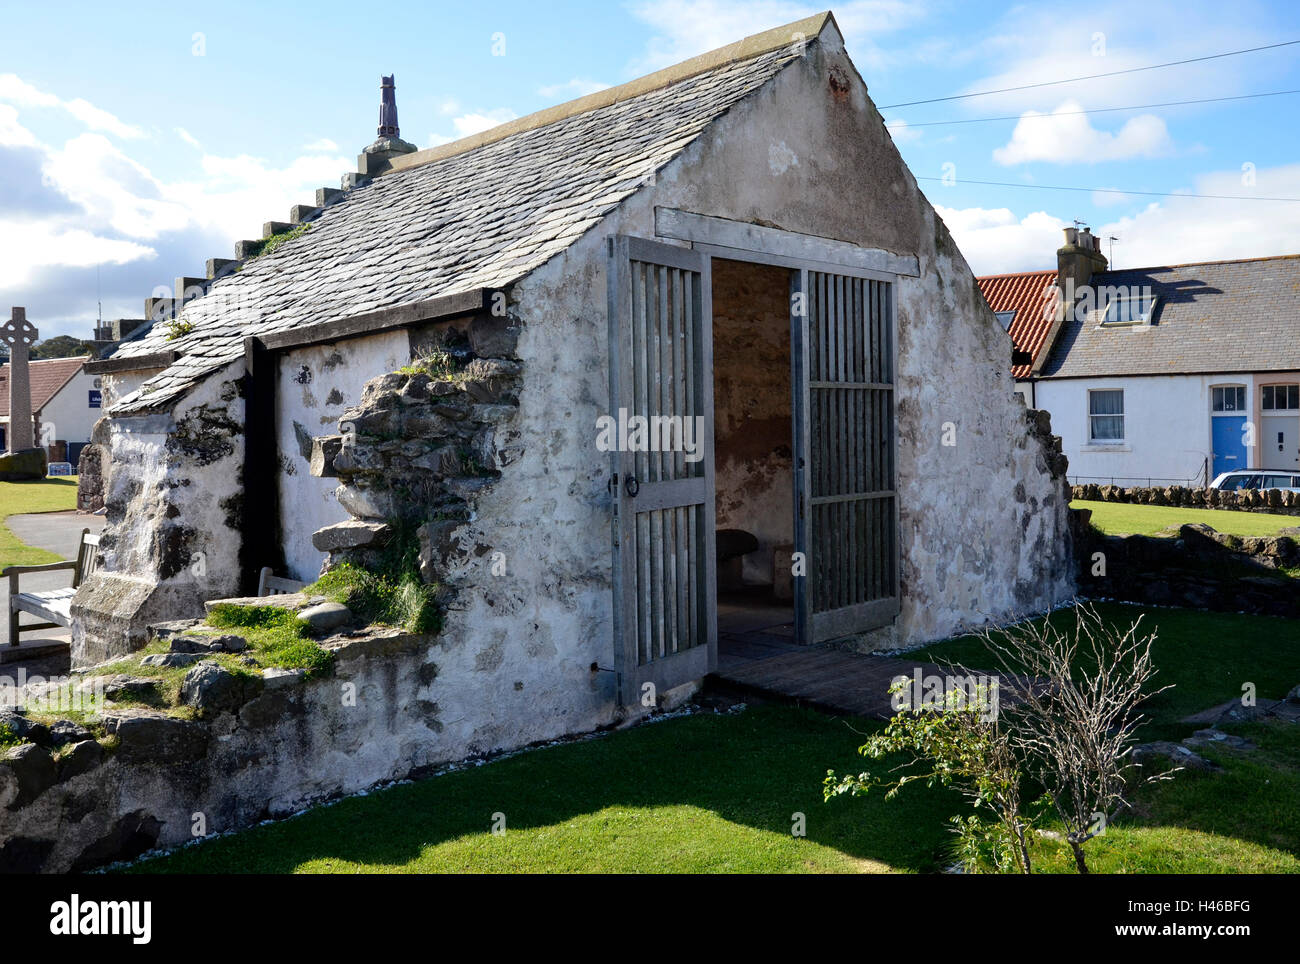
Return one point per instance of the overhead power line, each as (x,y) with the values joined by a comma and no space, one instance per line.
(1113,190)
(1093,110)
(1075,80)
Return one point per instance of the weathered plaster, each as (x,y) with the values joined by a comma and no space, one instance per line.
(316,386)
(172,535)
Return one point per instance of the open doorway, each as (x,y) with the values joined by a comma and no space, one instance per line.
(753,458)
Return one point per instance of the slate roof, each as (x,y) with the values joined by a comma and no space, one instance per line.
(481,218)
(1218,316)
(1023,293)
(47,376)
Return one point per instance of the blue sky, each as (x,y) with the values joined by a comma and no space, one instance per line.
(137,140)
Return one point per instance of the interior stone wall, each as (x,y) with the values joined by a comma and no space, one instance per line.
(752,407)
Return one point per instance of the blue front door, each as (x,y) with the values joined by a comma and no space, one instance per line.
(1228,438)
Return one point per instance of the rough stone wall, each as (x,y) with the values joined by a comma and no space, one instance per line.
(1197,569)
(173,508)
(1279,501)
(295,742)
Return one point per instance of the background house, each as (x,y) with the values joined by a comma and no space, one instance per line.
(1162,375)
(66,403)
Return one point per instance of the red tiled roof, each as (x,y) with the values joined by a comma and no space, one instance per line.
(1023,293)
(47,377)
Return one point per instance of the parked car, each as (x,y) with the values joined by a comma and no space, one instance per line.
(1257,479)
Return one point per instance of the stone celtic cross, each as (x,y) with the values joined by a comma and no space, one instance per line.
(19,334)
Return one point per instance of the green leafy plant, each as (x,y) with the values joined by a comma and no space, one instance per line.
(437,363)
(391,592)
(1067,732)
(178,328)
(8,738)
(955,744)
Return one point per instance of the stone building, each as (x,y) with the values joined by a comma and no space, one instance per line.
(706,315)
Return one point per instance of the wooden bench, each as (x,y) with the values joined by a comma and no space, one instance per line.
(52,605)
(272,585)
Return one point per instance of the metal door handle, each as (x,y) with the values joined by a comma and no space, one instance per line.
(631,486)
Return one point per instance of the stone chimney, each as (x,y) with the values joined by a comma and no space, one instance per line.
(1078,260)
(19,334)
(390,144)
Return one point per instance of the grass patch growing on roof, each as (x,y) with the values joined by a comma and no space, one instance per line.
(274,242)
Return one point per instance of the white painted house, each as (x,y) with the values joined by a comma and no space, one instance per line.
(1163,375)
(66,402)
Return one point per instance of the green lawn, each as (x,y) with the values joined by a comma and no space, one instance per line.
(717,793)
(703,793)
(1206,656)
(1120,518)
(17,498)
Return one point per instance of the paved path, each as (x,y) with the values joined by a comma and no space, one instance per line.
(60,532)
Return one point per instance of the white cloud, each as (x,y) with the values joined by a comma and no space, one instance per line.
(902,132)
(577,87)
(323,144)
(29,246)
(474,123)
(17,91)
(100,206)
(116,192)
(996,241)
(1181,229)
(1172,230)
(1066,137)
(12,133)
(237,194)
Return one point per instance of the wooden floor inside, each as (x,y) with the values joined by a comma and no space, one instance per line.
(757,654)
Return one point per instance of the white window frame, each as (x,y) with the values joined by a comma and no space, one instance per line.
(1244,409)
(1123,425)
(1102,314)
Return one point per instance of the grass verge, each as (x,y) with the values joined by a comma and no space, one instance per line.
(17,498)
(1120,518)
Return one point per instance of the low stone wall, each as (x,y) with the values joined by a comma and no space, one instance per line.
(1246,500)
(156,779)
(1198,569)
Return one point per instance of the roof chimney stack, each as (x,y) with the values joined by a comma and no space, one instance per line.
(1078,260)
(390,144)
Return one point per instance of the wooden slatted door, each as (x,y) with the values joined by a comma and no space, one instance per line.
(846,512)
(661,373)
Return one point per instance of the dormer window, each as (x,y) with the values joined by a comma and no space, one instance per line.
(1135,309)
(1005,318)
